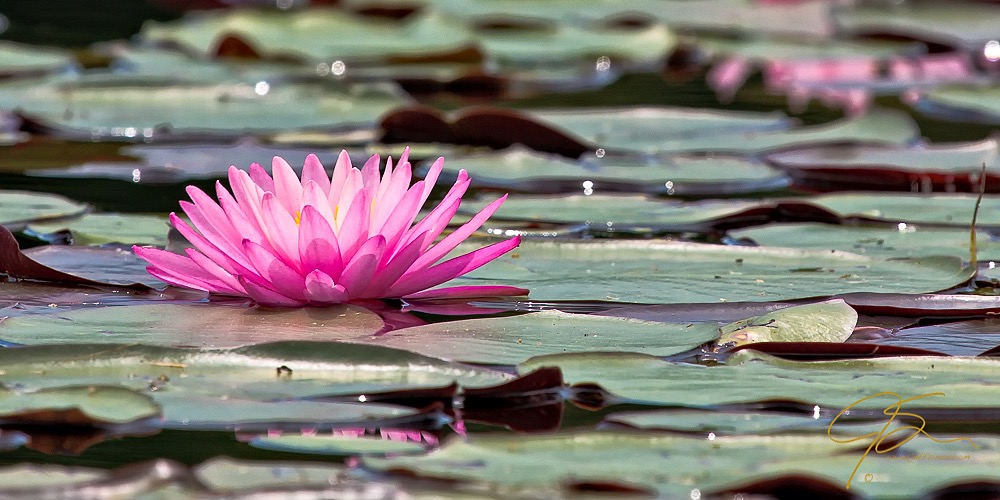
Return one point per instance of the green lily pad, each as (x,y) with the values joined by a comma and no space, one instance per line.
(972,103)
(647,128)
(123,108)
(246,374)
(875,241)
(607,209)
(190,325)
(829,321)
(724,423)
(98,229)
(278,34)
(337,445)
(97,404)
(108,265)
(41,475)
(878,126)
(770,49)
(19,207)
(534,42)
(962,159)
(964,24)
(659,271)
(951,209)
(831,384)
(229,474)
(514,339)
(20,59)
(524,170)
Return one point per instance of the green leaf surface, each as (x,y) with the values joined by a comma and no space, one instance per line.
(874,241)
(513,339)
(751,376)
(520,169)
(343,445)
(16,58)
(960,159)
(829,321)
(250,373)
(204,325)
(981,103)
(279,34)
(18,207)
(951,209)
(607,209)
(109,265)
(102,228)
(659,272)
(100,404)
(122,108)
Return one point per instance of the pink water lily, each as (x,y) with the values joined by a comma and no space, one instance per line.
(288,242)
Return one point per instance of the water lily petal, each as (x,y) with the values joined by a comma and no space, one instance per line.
(281,277)
(469,292)
(287,187)
(340,174)
(450,269)
(321,290)
(260,177)
(318,247)
(359,270)
(313,170)
(390,269)
(266,296)
(283,232)
(458,236)
(354,229)
(225,283)
(174,269)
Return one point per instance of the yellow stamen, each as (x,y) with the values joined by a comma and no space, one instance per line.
(298,218)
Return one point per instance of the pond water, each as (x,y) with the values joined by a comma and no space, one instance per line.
(746,246)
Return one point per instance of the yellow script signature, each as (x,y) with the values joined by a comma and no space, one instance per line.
(892,411)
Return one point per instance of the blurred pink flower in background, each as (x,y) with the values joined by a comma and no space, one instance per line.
(286,241)
(844,83)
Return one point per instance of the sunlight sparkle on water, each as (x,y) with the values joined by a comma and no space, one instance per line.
(588,188)
(992,50)
(603,64)
(262,88)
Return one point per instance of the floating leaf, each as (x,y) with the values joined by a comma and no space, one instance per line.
(282,34)
(19,207)
(91,405)
(514,339)
(19,60)
(120,108)
(641,378)
(976,104)
(658,271)
(829,321)
(872,240)
(947,209)
(99,229)
(200,325)
(345,443)
(923,168)
(522,170)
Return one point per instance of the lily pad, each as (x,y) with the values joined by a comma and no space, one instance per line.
(116,266)
(18,60)
(19,207)
(965,24)
(645,379)
(129,109)
(520,169)
(608,209)
(923,168)
(173,163)
(101,228)
(346,445)
(511,340)
(875,241)
(658,271)
(311,370)
(946,209)
(76,405)
(200,325)
(959,338)
(276,34)
(829,321)
(969,103)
